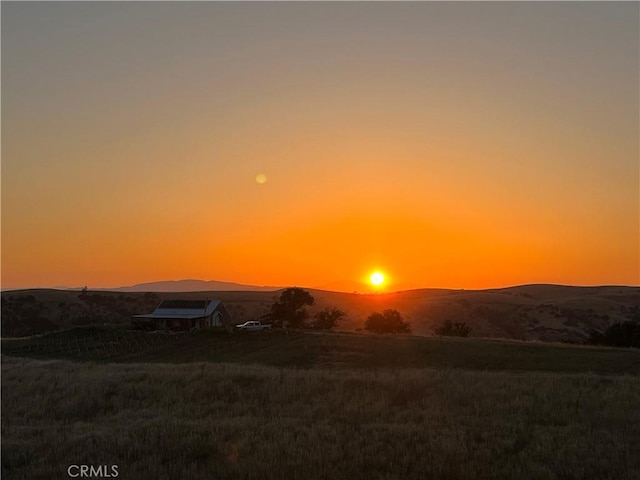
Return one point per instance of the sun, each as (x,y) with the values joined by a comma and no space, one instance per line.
(376,279)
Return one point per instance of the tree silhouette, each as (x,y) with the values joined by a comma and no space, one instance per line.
(451,329)
(326,319)
(288,310)
(623,334)
(389,321)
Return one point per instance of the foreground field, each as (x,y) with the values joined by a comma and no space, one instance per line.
(309,350)
(217,421)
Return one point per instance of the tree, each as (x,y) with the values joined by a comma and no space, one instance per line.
(451,329)
(623,334)
(289,310)
(326,319)
(389,321)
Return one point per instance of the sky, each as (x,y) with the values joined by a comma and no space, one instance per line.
(444,144)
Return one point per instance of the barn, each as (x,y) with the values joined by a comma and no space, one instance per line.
(184,315)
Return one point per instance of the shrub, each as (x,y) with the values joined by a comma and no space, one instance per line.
(326,319)
(389,321)
(451,329)
(622,334)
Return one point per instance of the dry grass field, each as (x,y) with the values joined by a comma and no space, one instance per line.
(277,405)
(230,421)
(321,350)
(309,405)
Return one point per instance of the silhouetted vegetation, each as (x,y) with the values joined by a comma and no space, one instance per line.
(453,329)
(23,315)
(289,310)
(622,334)
(326,319)
(389,321)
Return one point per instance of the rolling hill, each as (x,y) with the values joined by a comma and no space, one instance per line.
(528,312)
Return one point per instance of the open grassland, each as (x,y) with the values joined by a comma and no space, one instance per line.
(309,350)
(230,421)
(529,312)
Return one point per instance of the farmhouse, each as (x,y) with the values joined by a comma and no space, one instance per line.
(184,315)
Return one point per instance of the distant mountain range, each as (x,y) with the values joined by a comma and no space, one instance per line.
(190,286)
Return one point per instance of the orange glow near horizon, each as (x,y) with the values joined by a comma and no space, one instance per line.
(266,152)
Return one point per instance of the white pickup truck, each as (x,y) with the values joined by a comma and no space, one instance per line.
(253,325)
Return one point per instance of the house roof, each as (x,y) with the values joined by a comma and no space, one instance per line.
(187,309)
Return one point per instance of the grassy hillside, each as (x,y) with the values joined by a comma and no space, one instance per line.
(276,405)
(225,421)
(532,312)
(321,350)
(29,312)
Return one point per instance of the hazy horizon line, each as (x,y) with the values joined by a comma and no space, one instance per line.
(276,288)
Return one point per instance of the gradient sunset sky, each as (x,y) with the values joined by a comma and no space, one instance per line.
(456,145)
